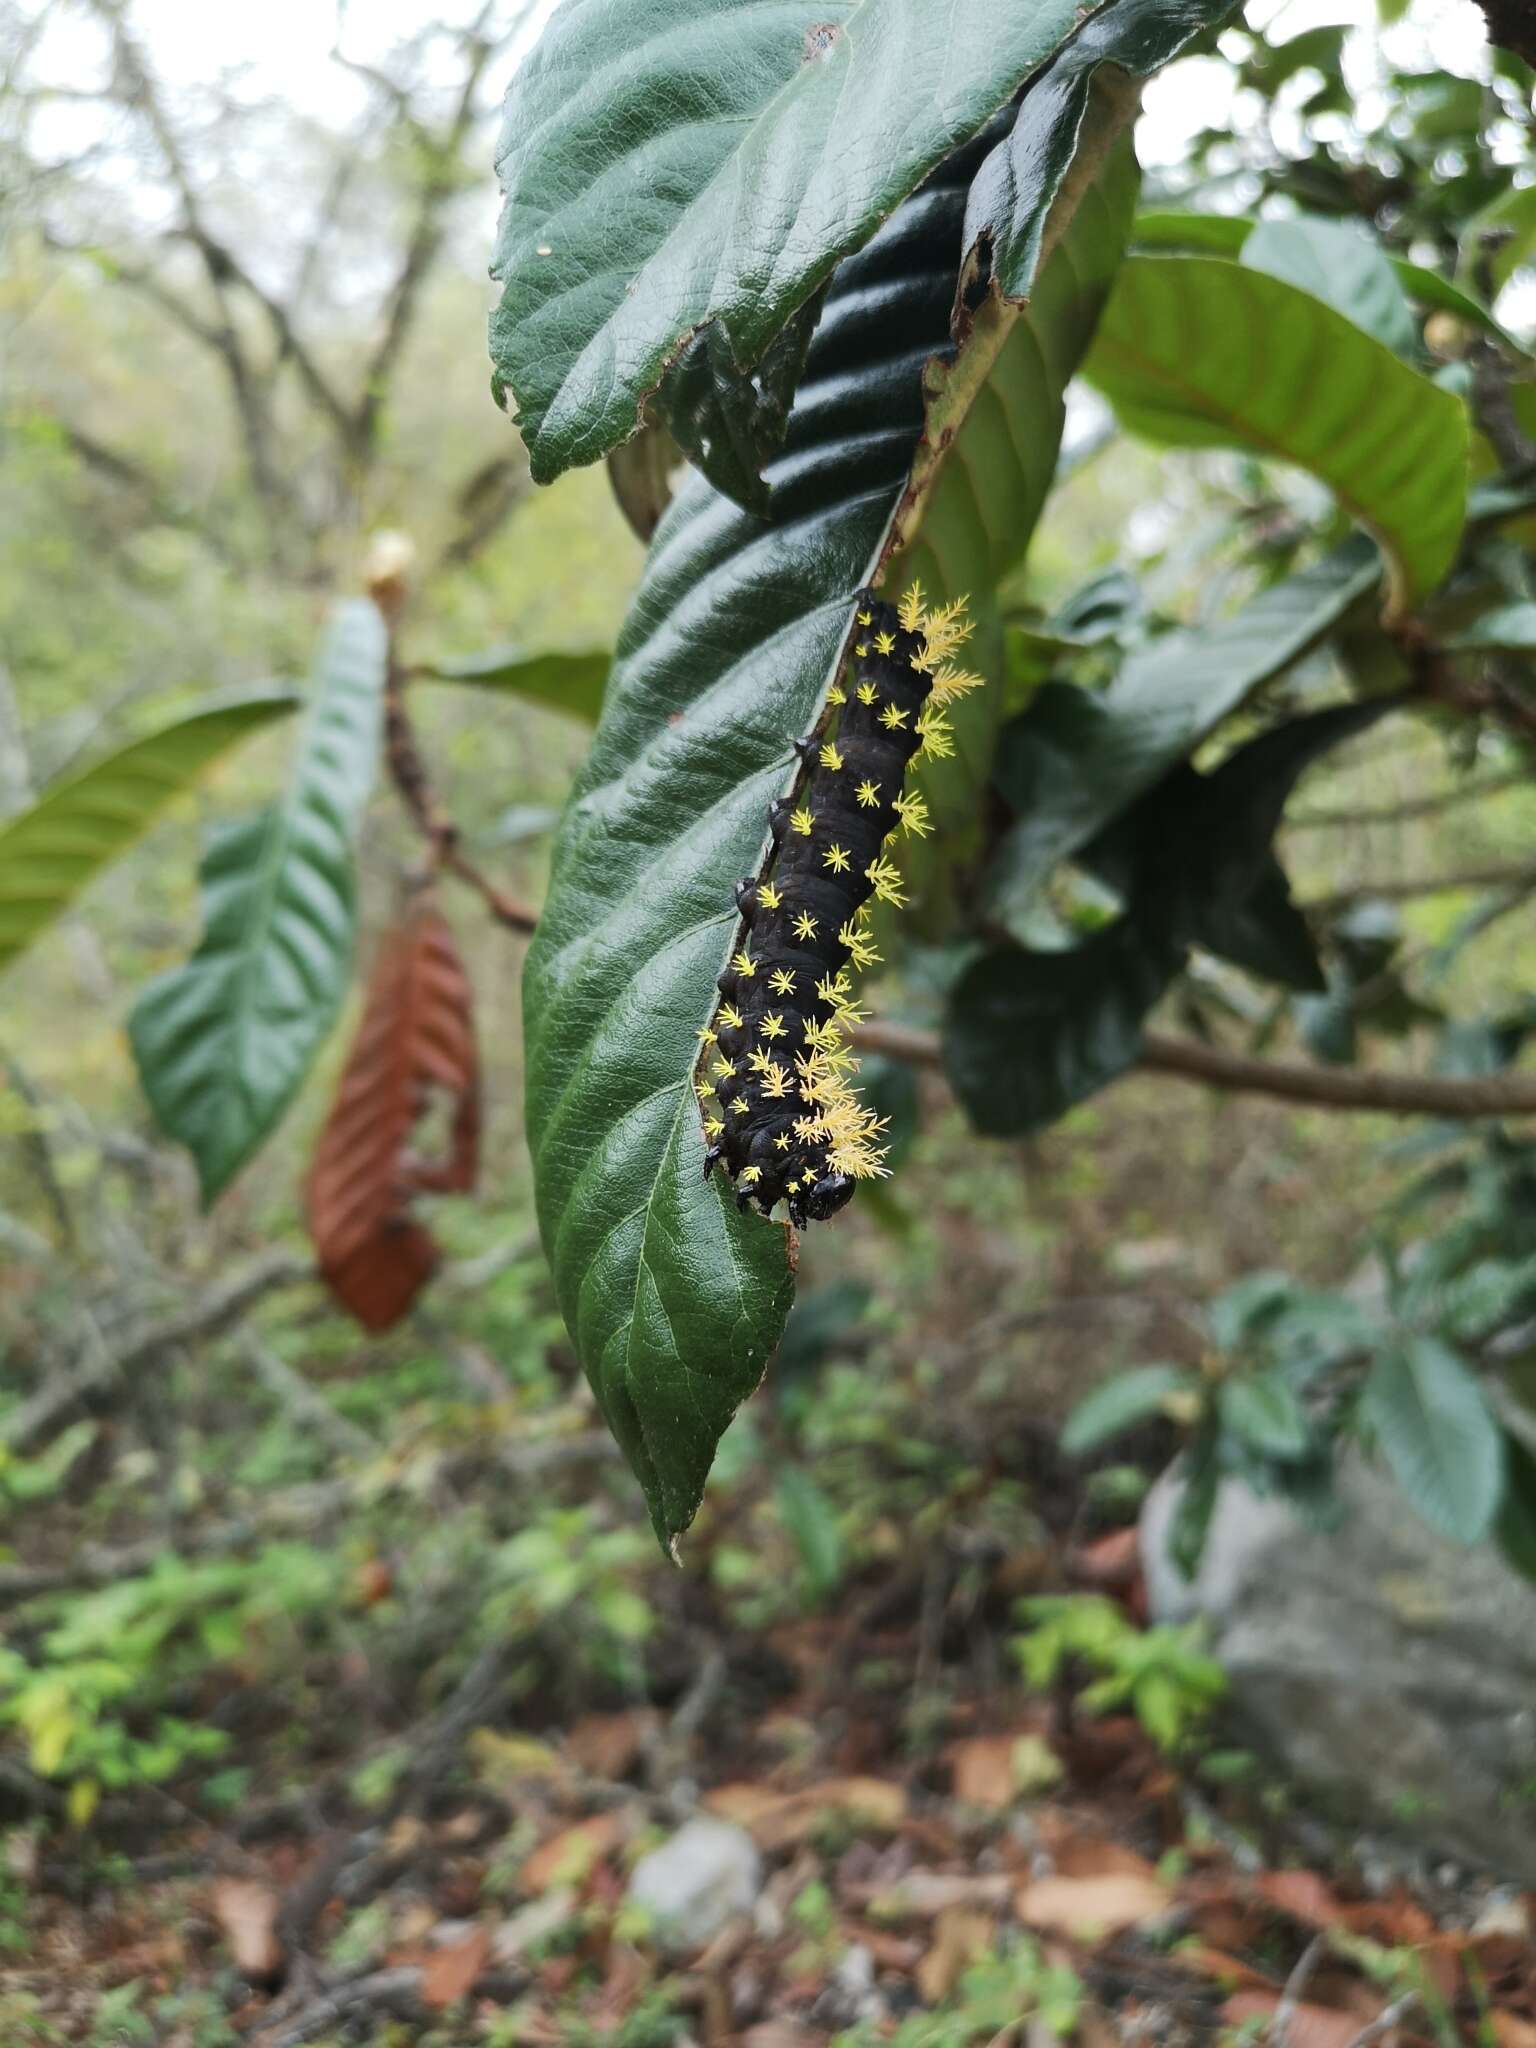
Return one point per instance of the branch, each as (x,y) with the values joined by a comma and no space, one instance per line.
(1401,889)
(1415,807)
(219,1310)
(408,771)
(437,188)
(1186,1059)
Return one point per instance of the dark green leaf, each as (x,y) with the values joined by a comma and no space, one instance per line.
(1264,1412)
(1029,1034)
(1072,763)
(49,852)
(1012,195)
(223,1042)
(1224,234)
(1121,1403)
(1199,1470)
(667,163)
(1515,1529)
(565,679)
(1340,264)
(675,1300)
(1431,1420)
(1200,353)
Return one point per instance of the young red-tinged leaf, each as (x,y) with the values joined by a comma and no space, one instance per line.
(416,1038)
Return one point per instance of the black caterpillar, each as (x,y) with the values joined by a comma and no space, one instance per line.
(788,1124)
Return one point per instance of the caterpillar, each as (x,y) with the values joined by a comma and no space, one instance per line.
(775,1082)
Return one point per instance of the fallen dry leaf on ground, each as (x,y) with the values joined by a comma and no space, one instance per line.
(1304,1895)
(924,1894)
(777,1820)
(449,1971)
(609,1745)
(960,1936)
(1311,2026)
(983,1770)
(247,1911)
(1092,1908)
(568,1857)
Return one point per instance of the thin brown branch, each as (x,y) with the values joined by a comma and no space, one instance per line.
(438,185)
(217,1311)
(1414,807)
(1404,888)
(1186,1059)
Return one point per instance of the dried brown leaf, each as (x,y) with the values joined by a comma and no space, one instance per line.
(416,1040)
(961,1936)
(247,1911)
(448,1972)
(1311,2026)
(1092,1908)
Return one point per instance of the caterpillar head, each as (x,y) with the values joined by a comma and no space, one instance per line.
(831,1193)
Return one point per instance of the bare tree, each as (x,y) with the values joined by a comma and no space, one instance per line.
(308,398)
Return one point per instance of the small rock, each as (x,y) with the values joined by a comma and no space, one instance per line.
(1387,1669)
(696,1880)
(1503,1912)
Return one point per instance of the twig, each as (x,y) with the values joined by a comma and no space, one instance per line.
(1322,1087)
(1415,807)
(219,1310)
(1385,2021)
(407,769)
(301,1401)
(1295,1989)
(1403,889)
(397,1991)
(94,1564)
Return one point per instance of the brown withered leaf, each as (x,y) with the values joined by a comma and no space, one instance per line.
(449,1972)
(247,1912)
(416,1040)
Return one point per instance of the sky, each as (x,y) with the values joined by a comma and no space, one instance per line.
(284,46)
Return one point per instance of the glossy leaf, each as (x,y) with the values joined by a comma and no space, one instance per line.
(1198,353)
(415,1044)
(669,163)
(1429,1416)
(223,1042)
(1343,266)
(1013,192)
(1224,234)
(564,679)
(52,850)
(674,1300)
(1072,762)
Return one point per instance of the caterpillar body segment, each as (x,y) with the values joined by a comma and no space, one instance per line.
(780,1112)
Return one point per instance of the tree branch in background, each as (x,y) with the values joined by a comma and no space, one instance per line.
(220,1309)
(407,768)
(1413,807)
(1402,889)
(1186,1059)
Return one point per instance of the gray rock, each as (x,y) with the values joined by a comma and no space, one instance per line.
(696,1880)
(1385,1668)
